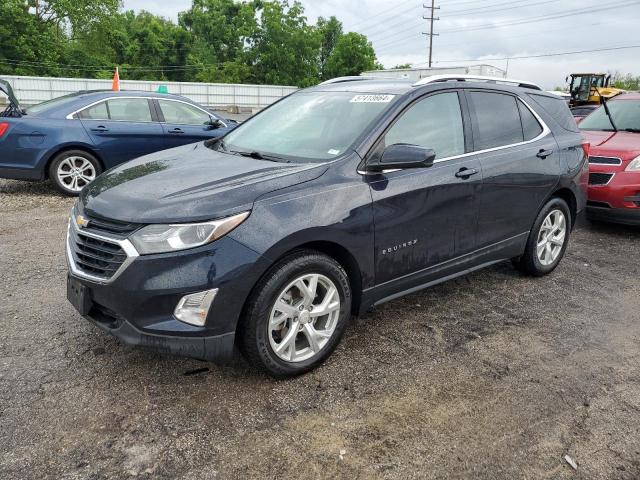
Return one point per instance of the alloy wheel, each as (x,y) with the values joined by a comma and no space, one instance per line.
(551,237)
(304,317)
(74,173)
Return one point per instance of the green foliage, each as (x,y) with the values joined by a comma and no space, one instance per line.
(227,41)
(625,82)
(352,55)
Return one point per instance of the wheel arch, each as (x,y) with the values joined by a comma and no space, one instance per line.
(333,250)
(569,197)
(63,148)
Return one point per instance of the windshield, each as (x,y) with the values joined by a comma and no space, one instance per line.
(308,126)
(40,107)
(625,113)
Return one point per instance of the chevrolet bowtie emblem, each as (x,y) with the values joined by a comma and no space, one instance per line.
(81,221)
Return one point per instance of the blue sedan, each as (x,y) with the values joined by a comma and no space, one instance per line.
(72,139)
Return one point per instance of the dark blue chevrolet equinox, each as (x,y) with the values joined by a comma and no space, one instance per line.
(333,200)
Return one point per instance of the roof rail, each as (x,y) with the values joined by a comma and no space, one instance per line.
(477,78)
(354,78)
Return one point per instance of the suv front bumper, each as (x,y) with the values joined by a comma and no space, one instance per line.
(137,306)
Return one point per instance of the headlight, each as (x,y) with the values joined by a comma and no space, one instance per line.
(169,238)
(634,165)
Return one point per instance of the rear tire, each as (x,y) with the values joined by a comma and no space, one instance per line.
(548,239)
(296,315)
(73,170)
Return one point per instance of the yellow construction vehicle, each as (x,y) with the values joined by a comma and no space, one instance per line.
(590,88)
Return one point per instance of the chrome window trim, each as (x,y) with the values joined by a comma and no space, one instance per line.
(545,131)
(70,116)
(191,104)
(125,244)
(618,159)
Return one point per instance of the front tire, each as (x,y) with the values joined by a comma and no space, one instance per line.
(73,170)
(548,239)
(296,315)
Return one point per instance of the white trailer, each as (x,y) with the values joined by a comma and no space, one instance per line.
(416,74)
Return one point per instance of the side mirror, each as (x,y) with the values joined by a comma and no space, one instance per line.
(402,155)
(213,124)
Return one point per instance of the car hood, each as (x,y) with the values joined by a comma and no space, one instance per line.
(189,183)
(625,145)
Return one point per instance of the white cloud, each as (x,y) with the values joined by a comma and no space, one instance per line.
(395,27)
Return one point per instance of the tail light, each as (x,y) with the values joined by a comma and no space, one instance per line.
(4,126)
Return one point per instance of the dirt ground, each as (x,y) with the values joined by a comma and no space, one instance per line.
(490,376)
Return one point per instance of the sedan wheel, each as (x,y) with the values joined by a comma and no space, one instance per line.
(73,170)
(75,173)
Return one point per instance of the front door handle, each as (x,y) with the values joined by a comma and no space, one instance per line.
(544,153)
(176,130)
(100,129)
(465,172)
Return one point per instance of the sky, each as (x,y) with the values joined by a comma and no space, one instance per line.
(489,30)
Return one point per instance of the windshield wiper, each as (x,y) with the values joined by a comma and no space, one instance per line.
(257,155)
(606,110)
(632,130)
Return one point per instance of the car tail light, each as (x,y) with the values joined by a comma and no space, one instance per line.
(4,126)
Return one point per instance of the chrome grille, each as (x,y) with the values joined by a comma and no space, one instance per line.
(599,178)
(97,257)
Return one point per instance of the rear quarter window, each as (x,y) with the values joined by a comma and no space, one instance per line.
(558,109)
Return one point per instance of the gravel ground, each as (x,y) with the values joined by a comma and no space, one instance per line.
(493,375)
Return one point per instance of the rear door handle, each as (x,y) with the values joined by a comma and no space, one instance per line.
(466,172)
(100,128)
(176,130)
(544,153)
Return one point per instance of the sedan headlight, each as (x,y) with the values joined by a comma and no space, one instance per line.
(169,238)
(634,165)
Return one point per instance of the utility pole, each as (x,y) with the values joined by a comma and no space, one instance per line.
(431,19)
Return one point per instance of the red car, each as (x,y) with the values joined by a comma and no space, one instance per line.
(614,160)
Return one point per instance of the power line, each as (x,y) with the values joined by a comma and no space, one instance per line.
(554,54)
(391,9)
(561,14)
(473,11)
(541,18)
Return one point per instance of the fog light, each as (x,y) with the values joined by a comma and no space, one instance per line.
(193,308)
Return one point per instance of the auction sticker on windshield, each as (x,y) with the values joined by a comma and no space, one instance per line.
(372,98)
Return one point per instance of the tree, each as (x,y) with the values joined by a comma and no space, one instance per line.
(331,31)
(352,55)
(75,15)
(257,41)
(28,46)
(284,49)
(402,66)
(625,82)
(219,30)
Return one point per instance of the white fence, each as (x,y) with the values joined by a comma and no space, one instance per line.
(32,90)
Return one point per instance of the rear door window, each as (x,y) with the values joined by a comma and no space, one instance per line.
(96,112)
(530,125)
(497,120)
(129,109)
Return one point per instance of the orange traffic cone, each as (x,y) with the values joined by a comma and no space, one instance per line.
(116,81)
